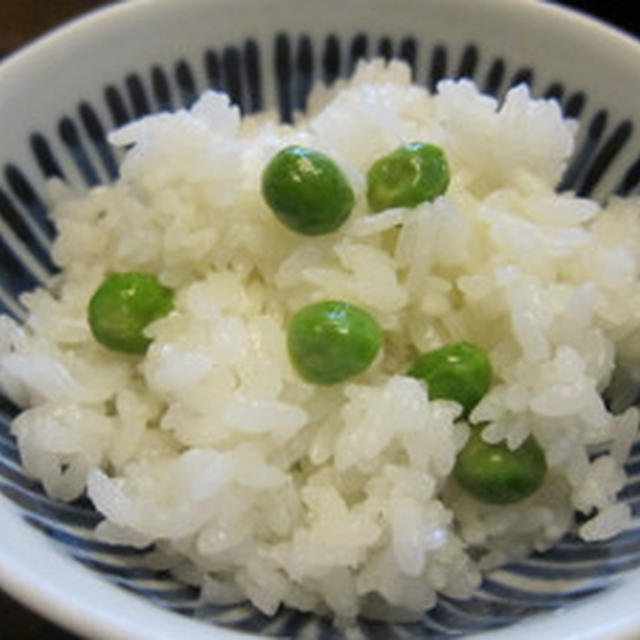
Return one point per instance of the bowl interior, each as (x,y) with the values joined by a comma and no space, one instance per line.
(67,91)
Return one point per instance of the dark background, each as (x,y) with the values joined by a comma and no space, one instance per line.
(23,20)
(621,13)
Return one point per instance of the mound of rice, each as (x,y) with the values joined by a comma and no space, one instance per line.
(254,484)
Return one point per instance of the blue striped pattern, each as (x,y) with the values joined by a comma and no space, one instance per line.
(571,571)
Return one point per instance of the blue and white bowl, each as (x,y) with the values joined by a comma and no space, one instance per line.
(61,95)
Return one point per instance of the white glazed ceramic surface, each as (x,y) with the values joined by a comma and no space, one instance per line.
(55,91)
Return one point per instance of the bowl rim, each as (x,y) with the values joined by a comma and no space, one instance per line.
(98,17)
(69,601)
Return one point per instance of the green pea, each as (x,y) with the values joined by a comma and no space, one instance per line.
(495,474)
(331,341)
(414,173)
(122,307)
(307,191)
(460,372)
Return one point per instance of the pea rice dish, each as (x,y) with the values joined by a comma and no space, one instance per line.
(343,365)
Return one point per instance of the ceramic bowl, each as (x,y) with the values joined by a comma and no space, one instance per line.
(60,95)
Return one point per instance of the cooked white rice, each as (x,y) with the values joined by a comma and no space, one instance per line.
(255,484)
